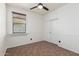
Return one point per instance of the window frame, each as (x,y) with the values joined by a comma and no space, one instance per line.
(13,22)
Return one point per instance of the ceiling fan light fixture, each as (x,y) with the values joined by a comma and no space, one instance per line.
(40,6)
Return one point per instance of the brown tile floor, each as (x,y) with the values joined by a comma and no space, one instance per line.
(42,48)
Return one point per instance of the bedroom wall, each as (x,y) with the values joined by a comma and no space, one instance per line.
(63,24)
(59,25)
(2,27)
(34,28)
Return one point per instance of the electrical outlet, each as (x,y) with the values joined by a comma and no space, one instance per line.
(59,41)
(30,38)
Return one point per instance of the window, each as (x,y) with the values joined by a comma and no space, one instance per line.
(19,22)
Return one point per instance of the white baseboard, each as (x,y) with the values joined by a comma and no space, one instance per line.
(60,45)
(75,51)
(2,52)
(23,44)
(65,47)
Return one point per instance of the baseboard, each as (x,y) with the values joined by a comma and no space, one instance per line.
(23,44)
(50,41)
(2,52)
(62,46)
(65,47)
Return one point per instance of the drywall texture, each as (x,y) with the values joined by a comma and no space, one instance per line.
(59,25)
(63,23)
(2,27)
(34,28)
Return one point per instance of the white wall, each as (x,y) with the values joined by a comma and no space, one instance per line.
(34,26)
(2,27)
(65,28)
(61,24)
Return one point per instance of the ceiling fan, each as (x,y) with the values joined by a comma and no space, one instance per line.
(40,6)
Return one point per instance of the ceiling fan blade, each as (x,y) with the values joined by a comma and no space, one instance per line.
(45,8)
(33,7)
(40,4)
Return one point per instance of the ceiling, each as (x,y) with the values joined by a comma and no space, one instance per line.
(27,6)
